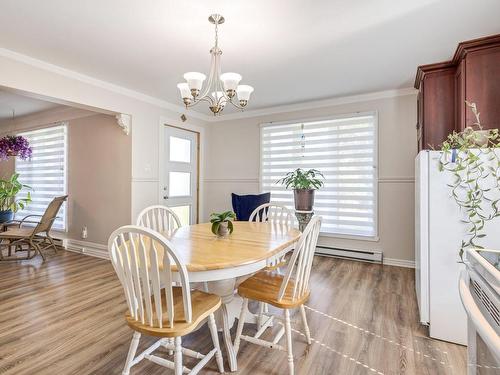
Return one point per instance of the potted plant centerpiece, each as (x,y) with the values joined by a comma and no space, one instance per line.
(473,158)
(222,223)
(8,202)
(304,183)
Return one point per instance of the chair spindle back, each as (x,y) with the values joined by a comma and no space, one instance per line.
(159,218)
(300,264)
(142,259)
(271,212)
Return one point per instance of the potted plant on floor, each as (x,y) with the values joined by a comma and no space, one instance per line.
(304,183)
(472,156)
(222,223)
(8,202)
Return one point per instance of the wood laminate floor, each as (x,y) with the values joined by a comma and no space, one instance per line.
(65,316)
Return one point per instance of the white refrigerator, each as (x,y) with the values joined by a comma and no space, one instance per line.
(438,235)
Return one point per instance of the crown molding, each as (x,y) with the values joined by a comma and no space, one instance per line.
(473,45)
(315,104)
(98,83)
(201,116)
(423,70)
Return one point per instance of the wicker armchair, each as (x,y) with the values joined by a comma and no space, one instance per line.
(32,239)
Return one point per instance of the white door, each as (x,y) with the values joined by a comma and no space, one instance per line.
(180,178)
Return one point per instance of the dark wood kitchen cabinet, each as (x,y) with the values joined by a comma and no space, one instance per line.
(473,75)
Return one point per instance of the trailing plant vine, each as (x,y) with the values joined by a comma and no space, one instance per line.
(473,157)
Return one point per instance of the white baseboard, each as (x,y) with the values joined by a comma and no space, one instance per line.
(101,251)
(86,248)
(399,262)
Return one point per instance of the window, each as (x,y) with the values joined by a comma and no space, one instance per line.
(343,148)
(45,172)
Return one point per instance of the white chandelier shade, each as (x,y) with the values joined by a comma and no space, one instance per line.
(219,89)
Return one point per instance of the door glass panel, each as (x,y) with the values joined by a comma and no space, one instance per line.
(180,149)
(179,184)
(183,212)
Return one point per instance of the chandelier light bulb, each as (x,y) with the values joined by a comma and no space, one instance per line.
(220,98)
(185,93)
(244,92)
(230,82)
(184,90)
(195,82)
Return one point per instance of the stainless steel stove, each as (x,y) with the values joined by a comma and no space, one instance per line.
(480,293)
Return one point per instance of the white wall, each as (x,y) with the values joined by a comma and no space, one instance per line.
(230,149)
(233,166)
(32,76)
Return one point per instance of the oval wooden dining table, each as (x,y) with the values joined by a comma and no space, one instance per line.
(224,262)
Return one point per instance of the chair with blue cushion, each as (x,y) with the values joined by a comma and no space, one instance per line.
(244,205)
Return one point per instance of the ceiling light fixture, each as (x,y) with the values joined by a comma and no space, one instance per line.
(220,88)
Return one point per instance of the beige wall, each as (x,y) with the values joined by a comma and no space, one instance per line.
(233,166)
(99,177)
(99,170)
(23,73)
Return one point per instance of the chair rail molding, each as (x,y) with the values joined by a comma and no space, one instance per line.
(229,180)
(396,180)
(125,122)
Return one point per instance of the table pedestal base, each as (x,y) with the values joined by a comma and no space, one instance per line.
(228,313)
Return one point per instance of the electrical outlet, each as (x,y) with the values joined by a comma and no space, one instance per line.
(84,232)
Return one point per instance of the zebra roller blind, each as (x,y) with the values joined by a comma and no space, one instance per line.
(45,172)
(344,150)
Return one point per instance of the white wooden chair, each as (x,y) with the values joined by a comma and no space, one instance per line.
(287,292)
(272,212)
(159,218)
(276,214)
(142,259)
(280,215)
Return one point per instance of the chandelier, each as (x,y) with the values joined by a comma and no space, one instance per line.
(220,89)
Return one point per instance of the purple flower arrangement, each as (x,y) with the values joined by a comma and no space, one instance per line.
(11,145)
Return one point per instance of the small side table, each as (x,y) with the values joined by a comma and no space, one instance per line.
(304,217)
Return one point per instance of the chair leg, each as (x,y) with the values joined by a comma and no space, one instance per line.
(260,316)
(131,353)
(288,332)
(170,340)
(37,249)
(178,356)
(241,321)
(215,339)
(304,323)
(52,243)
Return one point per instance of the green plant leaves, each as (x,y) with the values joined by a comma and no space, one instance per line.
(8,191)
(302,179)
(217,218)
(215,227)
(469,169)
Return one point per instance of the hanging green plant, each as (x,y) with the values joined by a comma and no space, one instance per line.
(473,159)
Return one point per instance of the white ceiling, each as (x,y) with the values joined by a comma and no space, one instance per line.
(290,50)
(15,105)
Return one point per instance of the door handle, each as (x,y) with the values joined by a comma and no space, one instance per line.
(165,197)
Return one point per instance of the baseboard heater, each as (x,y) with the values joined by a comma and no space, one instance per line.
(364,255)
(59,242)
